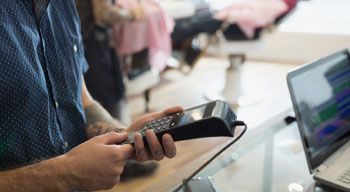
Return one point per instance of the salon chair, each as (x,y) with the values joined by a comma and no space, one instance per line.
(232,42)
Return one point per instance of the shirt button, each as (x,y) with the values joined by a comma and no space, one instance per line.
(56,103)
(75,48)
(66,144)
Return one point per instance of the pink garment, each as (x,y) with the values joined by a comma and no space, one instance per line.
(152,32)
(291,4)
(252,14)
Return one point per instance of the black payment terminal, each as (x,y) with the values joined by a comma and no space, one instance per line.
(212,119)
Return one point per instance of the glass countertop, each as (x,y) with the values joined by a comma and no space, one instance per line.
(269,158)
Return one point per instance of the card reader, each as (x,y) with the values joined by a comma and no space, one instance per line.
(214,119)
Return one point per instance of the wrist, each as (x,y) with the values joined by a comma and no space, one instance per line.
(101,128)
(60,167)
(48,175)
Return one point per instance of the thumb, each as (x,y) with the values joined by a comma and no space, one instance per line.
(111,138)
(127,150)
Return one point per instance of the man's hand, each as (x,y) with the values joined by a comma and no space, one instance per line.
(94,165)
(97,163)
(156,152)
(100,122)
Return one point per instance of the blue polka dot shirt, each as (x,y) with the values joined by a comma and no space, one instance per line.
(41,70)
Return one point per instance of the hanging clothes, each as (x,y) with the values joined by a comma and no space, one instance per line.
(152,33)
(252,14)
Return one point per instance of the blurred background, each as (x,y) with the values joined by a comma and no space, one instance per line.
(146,55)
(222,58)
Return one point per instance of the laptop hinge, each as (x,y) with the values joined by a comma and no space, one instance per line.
(321,168)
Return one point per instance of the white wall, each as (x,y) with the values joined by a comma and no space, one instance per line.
(317,28)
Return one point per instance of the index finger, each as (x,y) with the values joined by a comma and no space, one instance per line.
(153,116)
(172,110)
(166,112)
(156,115)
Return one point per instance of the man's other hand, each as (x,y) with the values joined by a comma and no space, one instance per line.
(156,151)
(97,163)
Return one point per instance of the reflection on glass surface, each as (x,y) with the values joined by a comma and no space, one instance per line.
(270,159)
(322,94)
(191,115)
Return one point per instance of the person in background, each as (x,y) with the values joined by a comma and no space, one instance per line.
(53,135)
(104,78)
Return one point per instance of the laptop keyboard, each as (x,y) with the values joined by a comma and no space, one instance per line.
(345,177)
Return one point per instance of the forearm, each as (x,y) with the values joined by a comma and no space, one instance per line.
(48,175)
(99,121)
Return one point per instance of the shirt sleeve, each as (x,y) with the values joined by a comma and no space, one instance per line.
(82,60)
(84,65)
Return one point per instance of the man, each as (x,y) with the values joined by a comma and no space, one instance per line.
(47,143)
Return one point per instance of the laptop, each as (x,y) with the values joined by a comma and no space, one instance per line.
(320,93)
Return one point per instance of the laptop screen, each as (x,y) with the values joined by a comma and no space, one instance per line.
(321,97)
